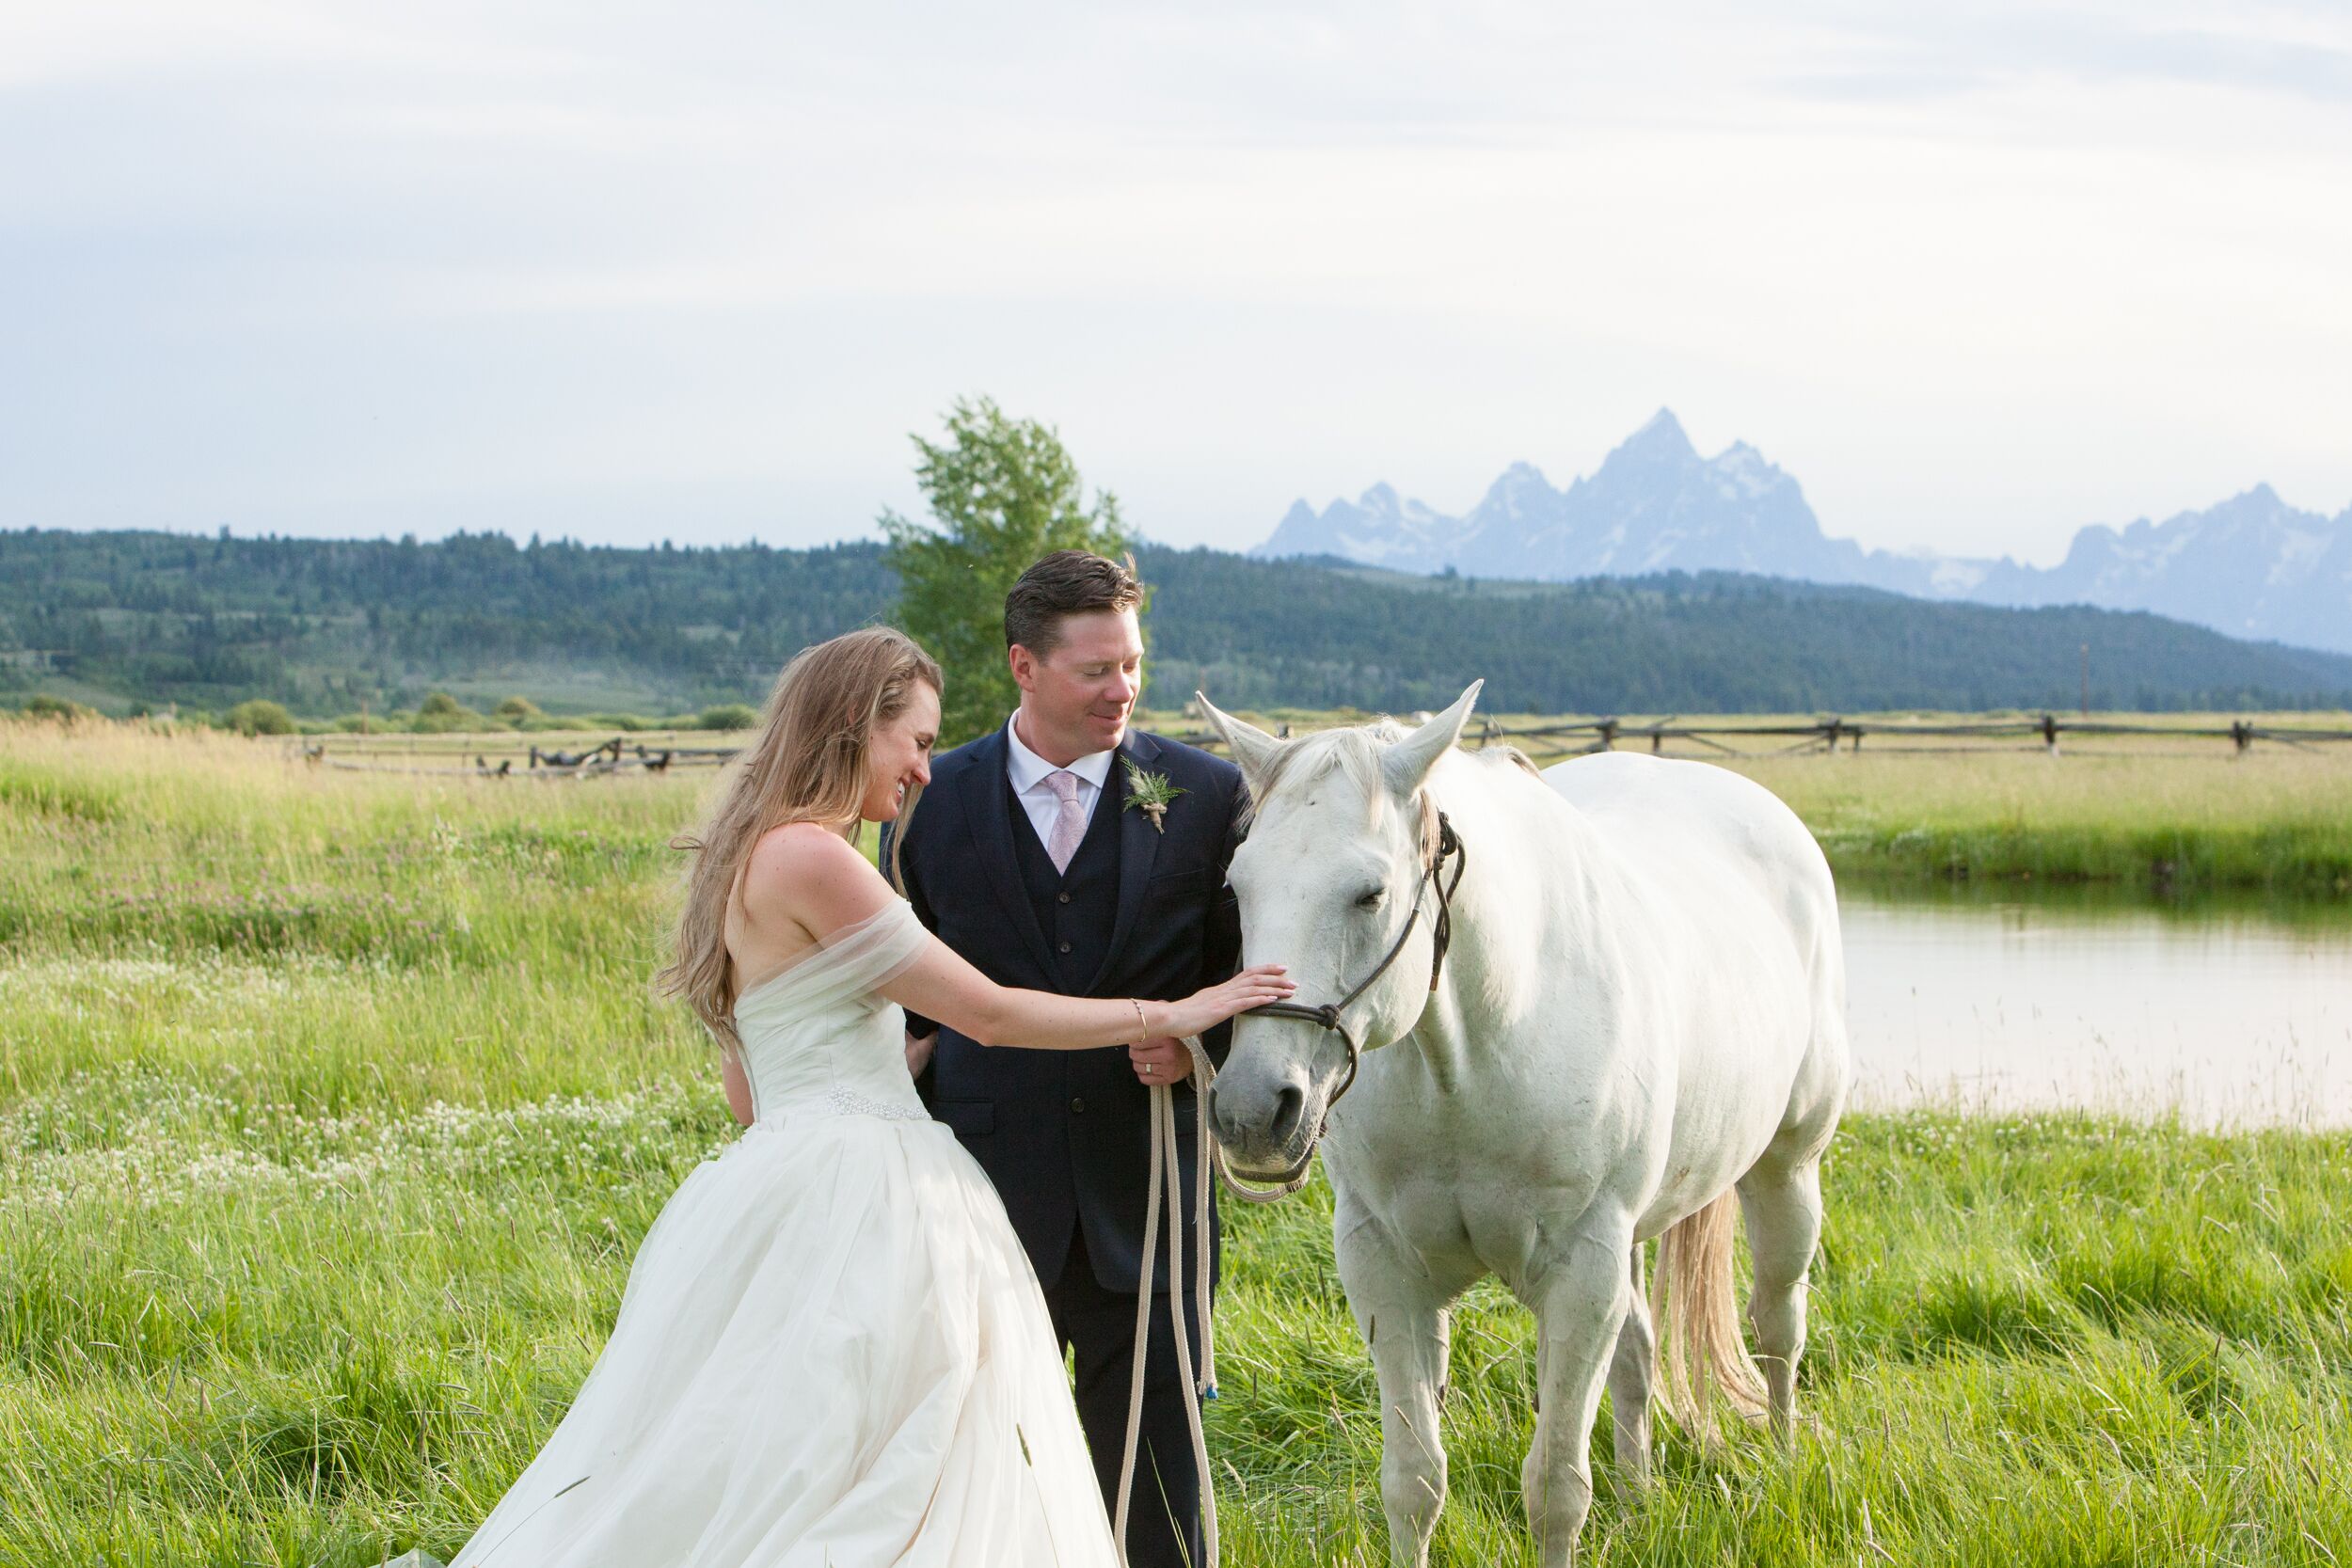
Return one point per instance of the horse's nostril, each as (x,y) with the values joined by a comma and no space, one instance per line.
(1287,1106)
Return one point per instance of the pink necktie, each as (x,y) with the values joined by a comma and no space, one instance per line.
(1070,823)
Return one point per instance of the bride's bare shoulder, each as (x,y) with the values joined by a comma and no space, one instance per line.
(814,878)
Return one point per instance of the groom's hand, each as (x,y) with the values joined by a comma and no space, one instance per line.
(1160,1060)
(919,1049)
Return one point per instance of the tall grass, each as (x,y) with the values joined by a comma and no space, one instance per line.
(2276,822)
(332,1106)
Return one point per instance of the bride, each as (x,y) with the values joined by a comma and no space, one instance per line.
(831,1352)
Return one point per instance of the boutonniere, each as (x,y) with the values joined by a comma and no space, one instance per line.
(1152,792)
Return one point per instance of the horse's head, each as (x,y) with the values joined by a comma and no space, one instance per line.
(1341,847)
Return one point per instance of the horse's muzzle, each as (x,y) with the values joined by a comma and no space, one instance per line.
(1267,1120)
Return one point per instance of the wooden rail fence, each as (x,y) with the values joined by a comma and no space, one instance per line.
(616,755)
(2035,732)
(1823,735)
(473,756)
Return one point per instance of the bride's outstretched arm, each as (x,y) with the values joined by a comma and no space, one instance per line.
(807,883)
(941,984)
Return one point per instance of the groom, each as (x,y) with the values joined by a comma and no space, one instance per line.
(1033,856)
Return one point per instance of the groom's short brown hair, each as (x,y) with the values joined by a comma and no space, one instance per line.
(1067,583)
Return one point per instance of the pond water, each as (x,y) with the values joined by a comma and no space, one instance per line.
(2226,1016)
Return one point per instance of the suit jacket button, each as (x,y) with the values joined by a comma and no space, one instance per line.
(1077,1106)
(1061,898)
(1065,947)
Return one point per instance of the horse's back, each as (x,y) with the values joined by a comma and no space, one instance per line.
(1654,808)
(1726,852)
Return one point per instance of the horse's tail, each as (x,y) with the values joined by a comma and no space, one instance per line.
(1696,1323)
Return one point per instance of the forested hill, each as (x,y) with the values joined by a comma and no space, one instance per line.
(125,618)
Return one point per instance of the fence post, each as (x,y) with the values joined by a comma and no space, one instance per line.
(1607,734)
(2243,734)
(2050,733)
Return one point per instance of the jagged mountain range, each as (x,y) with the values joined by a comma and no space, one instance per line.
(2252,567)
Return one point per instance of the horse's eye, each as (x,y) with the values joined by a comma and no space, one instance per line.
(1372,900)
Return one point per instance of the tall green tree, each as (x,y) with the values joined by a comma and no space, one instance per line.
(1002,493)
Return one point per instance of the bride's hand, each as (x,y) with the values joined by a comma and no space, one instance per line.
(1213,1004)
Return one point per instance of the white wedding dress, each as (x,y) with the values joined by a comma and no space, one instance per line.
(832,1352)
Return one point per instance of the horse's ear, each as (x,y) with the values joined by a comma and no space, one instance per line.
(1408,762)
(1253,749)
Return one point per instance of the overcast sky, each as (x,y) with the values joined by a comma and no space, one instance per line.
(1975,275)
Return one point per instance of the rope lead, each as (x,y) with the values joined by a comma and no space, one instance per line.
(1168,1174)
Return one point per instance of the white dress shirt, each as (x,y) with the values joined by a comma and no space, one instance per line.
(1027,771)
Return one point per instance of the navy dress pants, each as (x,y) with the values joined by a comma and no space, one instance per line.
(1097,1327)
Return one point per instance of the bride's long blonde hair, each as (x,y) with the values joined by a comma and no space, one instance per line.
(810,764)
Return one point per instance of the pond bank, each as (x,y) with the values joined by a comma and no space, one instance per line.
(2156,826)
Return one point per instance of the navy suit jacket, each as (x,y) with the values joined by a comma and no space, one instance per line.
(1065,1135)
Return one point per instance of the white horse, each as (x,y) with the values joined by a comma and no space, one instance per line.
(1642,1012)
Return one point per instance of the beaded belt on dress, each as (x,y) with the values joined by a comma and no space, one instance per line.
(843,1103)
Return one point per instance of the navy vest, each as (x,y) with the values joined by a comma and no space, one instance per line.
(1076,908)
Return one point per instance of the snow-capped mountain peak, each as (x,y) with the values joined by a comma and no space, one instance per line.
(2250,566)
(1661,433)
(1742,473)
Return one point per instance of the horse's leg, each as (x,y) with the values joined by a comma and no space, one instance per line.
(1783,1214)
(1402,1316)
(1629,1377)
(1629,1373)
(1580,1300)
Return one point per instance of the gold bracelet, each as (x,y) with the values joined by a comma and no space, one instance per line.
(1142,1024)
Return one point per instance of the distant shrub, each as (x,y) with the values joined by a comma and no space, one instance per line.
(260,717)
(57,708)
(450,723)
(728,716)
(518,710)
(610,722)
(442,714)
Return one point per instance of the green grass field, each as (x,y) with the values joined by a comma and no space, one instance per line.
(332,1106)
